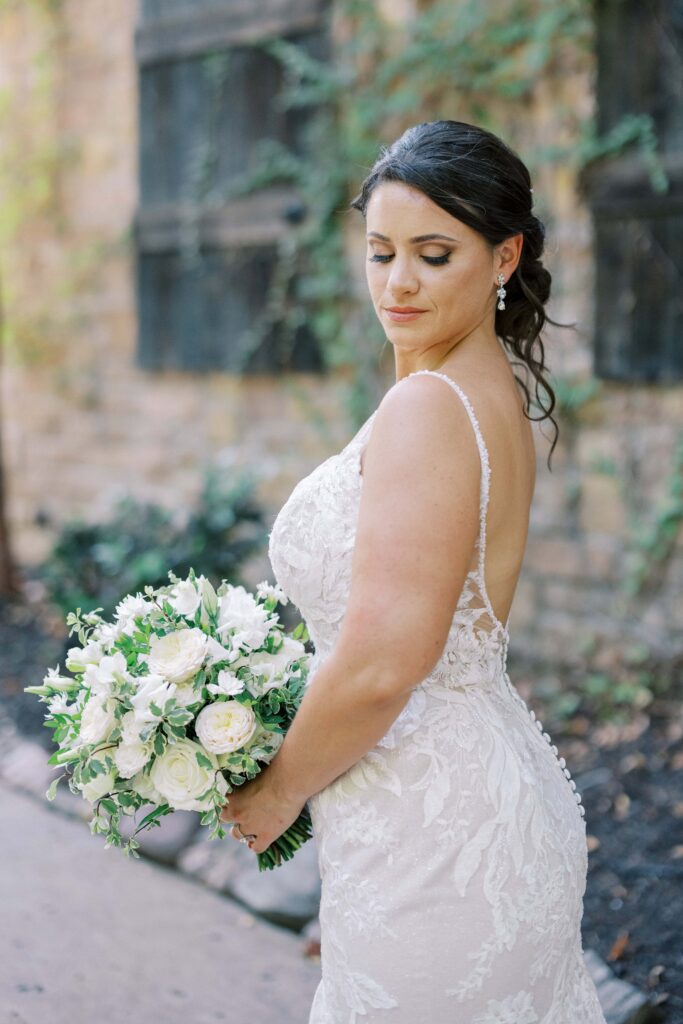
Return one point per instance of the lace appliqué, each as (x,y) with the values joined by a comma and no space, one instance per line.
(452,854)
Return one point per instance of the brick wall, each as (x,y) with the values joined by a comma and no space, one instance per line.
(82,425)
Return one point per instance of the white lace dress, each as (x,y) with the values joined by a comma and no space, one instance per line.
(453,853)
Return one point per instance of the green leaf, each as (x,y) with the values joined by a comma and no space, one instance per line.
(203,760)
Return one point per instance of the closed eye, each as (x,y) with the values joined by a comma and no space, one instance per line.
(434,260)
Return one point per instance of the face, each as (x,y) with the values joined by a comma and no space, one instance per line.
(421,258)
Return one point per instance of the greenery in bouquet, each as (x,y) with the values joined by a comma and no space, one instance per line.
(185,695)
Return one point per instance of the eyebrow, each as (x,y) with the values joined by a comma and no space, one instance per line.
(417,238)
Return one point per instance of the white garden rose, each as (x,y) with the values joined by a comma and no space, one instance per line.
(180,779)
(102,677)
(272,668)
(185,599)
(152,689)
(179,655)
(130,758)
(225,726)
(130,728)
(239,610)
(97,720)
(99,786)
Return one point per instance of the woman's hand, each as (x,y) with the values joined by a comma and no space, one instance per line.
(260,809)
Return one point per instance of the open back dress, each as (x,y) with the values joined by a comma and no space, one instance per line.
(453,854)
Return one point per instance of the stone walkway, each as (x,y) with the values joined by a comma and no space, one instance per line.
(88,934)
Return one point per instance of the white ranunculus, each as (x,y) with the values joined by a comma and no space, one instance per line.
(225,726)
(99,786)
(78,657)
(240,611)
(97,720)
(227,684)
(179,655)
(272,668)
(185,599)
(101,678)
(152,689)
(144,787)
(130,758)
(180,779)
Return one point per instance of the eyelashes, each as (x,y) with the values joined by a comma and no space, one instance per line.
(437,261)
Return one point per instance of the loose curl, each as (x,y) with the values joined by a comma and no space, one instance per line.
(473,175)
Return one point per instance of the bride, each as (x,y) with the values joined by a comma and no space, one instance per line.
(450,836)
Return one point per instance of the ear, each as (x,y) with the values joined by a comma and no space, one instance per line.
(508,254)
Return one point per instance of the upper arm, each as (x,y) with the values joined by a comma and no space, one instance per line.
(417,525)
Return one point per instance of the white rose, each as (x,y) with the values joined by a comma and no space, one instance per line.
(99,786)
(144,787)
(97,720)
(227,683)
(153,689)
(240,611)
(101,678)
(184,598)
(179,655)
(78,657)
(131,757)
(225,726)
(273,667)
(180,779)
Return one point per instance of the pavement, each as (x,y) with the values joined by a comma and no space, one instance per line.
(90,935)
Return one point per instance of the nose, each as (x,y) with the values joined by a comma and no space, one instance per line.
(402,277)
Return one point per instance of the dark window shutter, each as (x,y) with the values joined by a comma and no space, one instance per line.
(638,230)
(205,256)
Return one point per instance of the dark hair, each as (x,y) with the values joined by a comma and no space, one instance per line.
(473,175)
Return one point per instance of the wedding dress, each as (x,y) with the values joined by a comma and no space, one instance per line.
(453,854)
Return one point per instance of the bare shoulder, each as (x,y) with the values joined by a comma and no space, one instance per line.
(422,422)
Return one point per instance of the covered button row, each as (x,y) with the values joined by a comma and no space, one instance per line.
(561,761)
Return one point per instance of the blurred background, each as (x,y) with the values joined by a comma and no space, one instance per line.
(185,333)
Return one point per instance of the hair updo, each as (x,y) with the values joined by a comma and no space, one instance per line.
(473,175)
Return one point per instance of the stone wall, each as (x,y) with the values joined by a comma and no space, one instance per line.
(82,425)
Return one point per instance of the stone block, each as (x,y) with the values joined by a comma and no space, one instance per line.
(602,505)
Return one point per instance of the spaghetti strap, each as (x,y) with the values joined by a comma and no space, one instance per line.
(484,486)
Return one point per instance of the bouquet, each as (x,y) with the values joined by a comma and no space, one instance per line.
(185,695)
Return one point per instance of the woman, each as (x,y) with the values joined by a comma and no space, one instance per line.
(451,839)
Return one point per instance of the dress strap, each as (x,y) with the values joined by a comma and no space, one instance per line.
(485,480)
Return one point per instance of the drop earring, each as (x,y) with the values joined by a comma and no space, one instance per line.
(501,291)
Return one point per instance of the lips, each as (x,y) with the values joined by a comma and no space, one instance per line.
(403,314)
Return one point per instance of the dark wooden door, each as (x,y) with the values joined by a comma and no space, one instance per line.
(638,228)
(206,254)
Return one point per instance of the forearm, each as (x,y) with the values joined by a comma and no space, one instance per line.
(340,718)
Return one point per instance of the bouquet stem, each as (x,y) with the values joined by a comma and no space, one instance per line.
(285,846)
